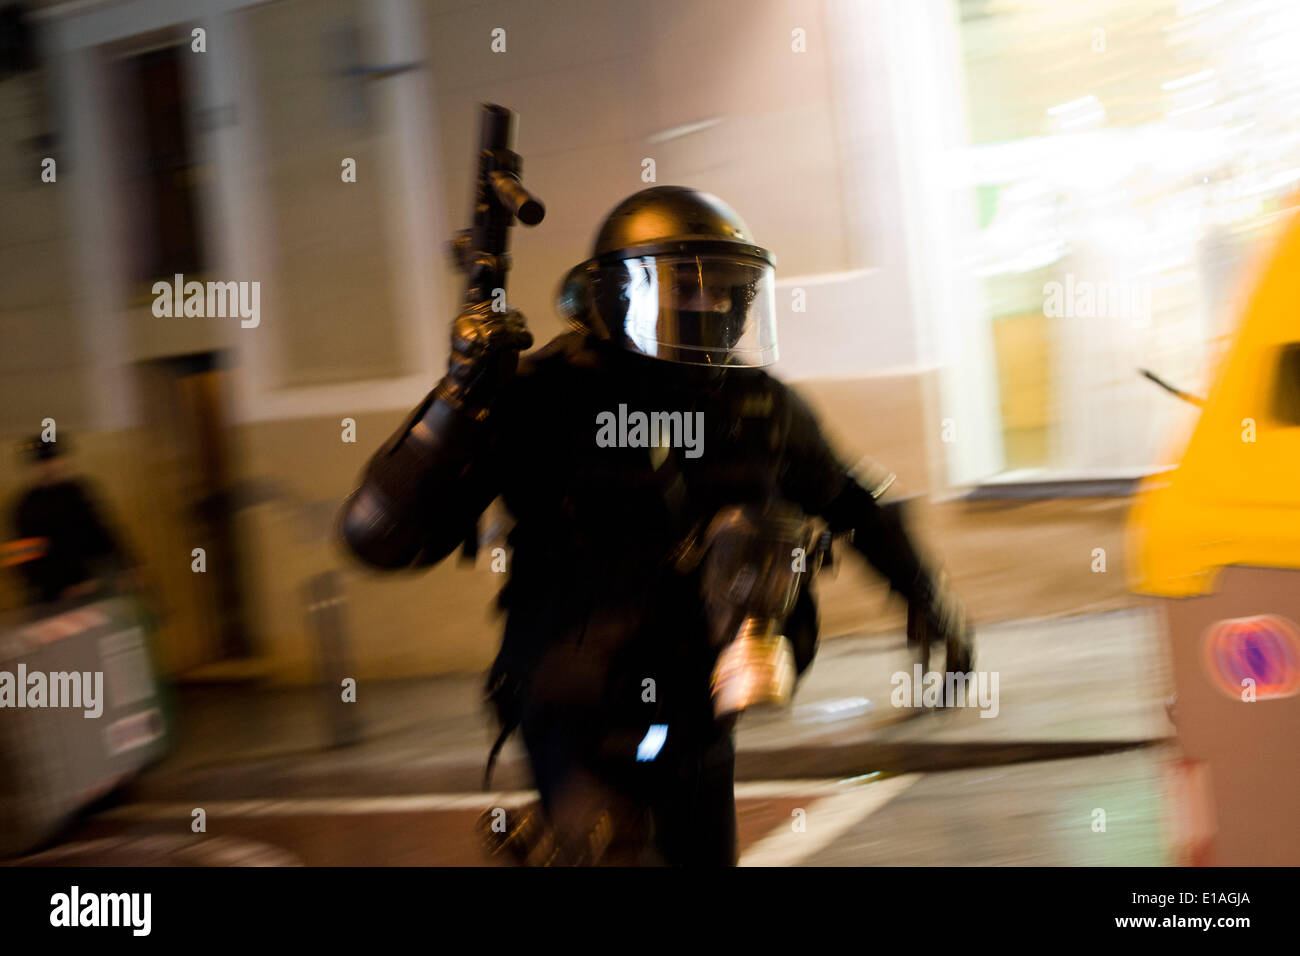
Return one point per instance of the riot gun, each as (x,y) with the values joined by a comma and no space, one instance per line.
(482,251)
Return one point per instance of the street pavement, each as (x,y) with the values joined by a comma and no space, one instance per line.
(842,777)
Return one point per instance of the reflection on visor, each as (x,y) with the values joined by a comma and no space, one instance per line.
(702,310)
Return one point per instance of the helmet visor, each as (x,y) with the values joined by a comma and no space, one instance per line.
(711,309)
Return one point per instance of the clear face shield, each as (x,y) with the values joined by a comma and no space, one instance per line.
(713,309)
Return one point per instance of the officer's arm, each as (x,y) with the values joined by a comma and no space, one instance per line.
(823,486)
(425,488)
(819,482)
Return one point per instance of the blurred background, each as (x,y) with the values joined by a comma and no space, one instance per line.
(988,215)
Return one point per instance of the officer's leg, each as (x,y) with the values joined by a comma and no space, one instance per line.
(593,817)
(695,821)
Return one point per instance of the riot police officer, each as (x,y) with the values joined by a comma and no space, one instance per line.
(610,656)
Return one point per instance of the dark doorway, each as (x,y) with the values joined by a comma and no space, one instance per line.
(186,411)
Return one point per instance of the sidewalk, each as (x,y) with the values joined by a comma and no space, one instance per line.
(1068,687)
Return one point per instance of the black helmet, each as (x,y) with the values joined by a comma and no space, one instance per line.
(675,274)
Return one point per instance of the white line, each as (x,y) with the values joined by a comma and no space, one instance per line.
(824,821)
(759,789)
(421,802)
(332,806)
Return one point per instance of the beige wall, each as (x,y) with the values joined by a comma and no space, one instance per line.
(41,361)
(590,97)
(330,286)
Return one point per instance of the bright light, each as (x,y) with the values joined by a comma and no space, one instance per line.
(1078,104)
(652,743)
(1190,79)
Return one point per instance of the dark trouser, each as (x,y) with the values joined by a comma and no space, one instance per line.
(678,809)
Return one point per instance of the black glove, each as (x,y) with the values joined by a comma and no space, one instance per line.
(935,614)
(485,347)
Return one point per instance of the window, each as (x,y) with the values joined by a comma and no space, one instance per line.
(164,169)
(1286,388)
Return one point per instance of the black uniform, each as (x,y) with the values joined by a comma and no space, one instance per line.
(595,607)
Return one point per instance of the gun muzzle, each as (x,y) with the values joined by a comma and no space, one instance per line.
(512,194)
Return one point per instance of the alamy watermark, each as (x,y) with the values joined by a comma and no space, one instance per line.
(953,689)
(75,908)
(1084,299)
(35,689)
(213,300)
(651,430)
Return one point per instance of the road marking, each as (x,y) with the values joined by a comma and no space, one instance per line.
(327,806)
(423,802)
(826,820)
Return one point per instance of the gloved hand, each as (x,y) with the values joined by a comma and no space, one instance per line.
(935,614)
(485,347)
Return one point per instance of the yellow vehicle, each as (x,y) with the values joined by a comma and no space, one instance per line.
(1217,542)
